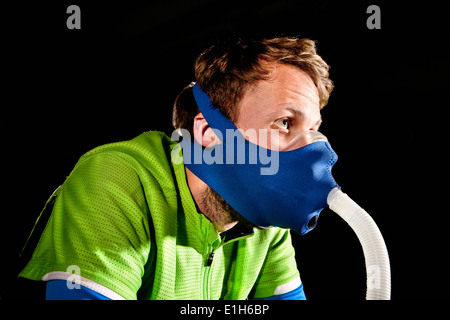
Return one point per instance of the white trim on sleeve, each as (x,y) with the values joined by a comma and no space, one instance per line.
(288,287)
(97,287)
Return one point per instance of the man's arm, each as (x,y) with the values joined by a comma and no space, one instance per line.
(279,277)
(296,294)
(99,225)
(58,290)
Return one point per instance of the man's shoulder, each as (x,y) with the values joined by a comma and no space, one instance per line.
(147,155)
(147,144)
(269,237)
(150,149)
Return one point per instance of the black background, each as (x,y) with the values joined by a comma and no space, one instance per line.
(68,91)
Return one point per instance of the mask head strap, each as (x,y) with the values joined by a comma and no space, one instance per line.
(213,116)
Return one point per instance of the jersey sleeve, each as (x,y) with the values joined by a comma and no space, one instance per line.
(58,290)
(296,294)
(98,227)
(279,273)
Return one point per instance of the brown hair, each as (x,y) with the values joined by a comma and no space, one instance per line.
(225,72)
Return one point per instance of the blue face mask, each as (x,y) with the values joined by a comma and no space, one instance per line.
(287,189)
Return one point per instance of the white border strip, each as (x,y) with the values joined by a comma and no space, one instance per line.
(59,275)
(288,287)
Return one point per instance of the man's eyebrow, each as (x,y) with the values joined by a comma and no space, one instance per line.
(301,114)
(294,110)
(319,122)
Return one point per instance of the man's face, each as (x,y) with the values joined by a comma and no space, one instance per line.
(285,107)
(287,102)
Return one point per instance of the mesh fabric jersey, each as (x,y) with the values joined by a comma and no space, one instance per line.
(125,218)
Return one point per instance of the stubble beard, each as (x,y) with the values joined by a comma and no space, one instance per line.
(219,212)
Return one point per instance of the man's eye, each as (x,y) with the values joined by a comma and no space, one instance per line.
(284,124)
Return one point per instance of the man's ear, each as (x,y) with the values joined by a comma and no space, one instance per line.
(203,133)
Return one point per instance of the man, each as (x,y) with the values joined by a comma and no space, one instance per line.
(131,223)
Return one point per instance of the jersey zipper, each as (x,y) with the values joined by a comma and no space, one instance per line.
(210,259)
(206,275)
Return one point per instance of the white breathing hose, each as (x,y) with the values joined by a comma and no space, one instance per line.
(375,251)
